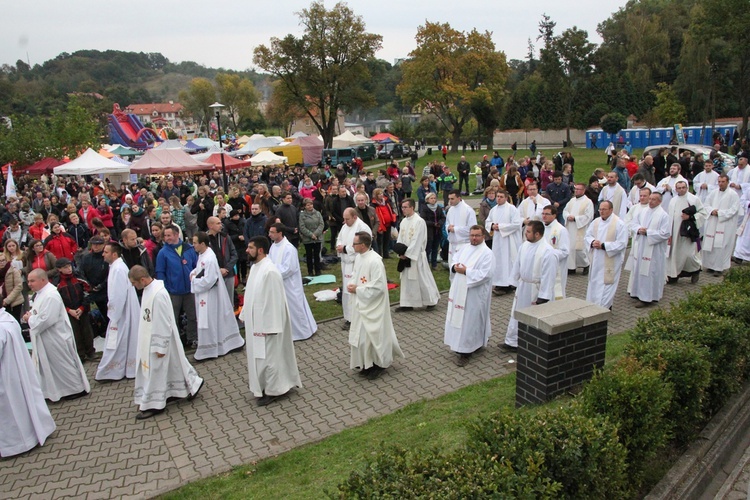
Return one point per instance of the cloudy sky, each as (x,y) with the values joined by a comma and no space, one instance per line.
(222,33)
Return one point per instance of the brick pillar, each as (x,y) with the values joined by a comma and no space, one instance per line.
(559,345)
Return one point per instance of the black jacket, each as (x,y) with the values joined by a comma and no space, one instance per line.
(95,270)
(225,252)
(137,256)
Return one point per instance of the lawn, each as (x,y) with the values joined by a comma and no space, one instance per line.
(308,471)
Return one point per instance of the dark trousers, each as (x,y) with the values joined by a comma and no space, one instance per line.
(334,234)
(186,303)
(463,179)
(16,311)
(312,254)
(384,243)
(432,249)
(83,335)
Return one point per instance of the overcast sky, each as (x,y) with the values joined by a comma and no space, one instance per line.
(222,33)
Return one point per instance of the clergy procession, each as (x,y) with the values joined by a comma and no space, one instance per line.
(191,280)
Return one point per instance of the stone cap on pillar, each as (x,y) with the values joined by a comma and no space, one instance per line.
(562,315)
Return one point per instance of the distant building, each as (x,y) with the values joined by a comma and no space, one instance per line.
(304,123)
(160,114)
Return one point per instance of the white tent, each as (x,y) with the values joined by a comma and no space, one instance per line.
(298,134)
(253,145)
(267,158)
(205,142)
(348,139)
(171,144)
(256,137)
(211,150)
(91,163)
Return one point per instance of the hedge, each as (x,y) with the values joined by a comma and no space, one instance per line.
(682,366)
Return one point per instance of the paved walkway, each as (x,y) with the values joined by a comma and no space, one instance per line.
(100,451)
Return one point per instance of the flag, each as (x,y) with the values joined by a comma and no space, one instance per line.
(10,185)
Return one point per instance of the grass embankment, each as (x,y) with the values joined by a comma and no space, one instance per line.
(308,471)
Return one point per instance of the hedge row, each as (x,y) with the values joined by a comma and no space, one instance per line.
(680,368)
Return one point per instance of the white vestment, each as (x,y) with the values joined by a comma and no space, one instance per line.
(461,217)
(619,198)
(583,210)
(218,332)
(558,239)
(534,274)
(740,177)
(648,255)
(467,322)
(634,198)
(25,418)
(271,362)
(418,287)
(606,265)
(372,338)
(531,208)
(710,179)
(720,231)
(345,239)
(667,195)
(505,241)
(123,309)
(170,376)
(742,247)
(284,255)
(55,357)
(684,255)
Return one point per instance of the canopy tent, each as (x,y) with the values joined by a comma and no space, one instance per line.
(121,161)
(267,158)
(123,151)
(243,139)
(348,139)
(211,150)
(229,162)
(312,149)
(255,137)
(253,145)
(91,163)
(382,136)
(298,134)
(171,144)
(105,153)
(167,161)
(205,142)
(43,166)
(192,146)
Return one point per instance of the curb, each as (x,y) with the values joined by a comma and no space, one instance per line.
(702,462)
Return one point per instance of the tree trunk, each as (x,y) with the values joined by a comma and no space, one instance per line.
(456,138)
(568,140)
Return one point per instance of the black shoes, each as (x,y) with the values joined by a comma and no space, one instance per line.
(148,414)
(508,348)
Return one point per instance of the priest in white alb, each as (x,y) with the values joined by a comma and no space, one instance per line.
(467,322)
(271,362)
(720,231)
(742,247)
(418,287)
(458,220)
(372,339)
(535,274)
(559,241)
(218,333)
(651,230)
(607,240)
(614,193)
(532,205)
(163,372)
(705,181)
(578,214)
(739,176)
(684,258)
(505,225)
(667,186)
(25,418)
(55,357)
(286,258)
(121,344)
(352,225)
(639,182)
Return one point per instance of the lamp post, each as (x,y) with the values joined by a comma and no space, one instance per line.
(217,108)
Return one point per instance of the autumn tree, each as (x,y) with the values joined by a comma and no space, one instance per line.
(452,74)
(668,109)
(321,72)
(238,95)
(280,113)
(199,95)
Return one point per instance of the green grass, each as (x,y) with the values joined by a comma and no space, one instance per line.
(308,471)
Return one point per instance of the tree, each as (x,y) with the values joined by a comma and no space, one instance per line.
(197,99)
(613,123)
(668,109)
(450,73)
(321,72)
(575,54)
(238,95)
(281,113)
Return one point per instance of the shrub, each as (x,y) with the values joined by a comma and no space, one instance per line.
(686,367)
(636,400)
(398,473)
(724,338)
(580,452)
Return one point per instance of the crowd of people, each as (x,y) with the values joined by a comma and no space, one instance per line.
(154,267)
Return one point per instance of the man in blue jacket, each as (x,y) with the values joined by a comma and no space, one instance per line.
(174,262)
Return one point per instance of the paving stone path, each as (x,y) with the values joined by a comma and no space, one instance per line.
(100,451)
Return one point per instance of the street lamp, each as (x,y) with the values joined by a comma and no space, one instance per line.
(217,108)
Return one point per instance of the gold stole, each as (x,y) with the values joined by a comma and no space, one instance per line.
(609,262)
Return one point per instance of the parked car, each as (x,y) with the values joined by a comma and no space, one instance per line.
(340,155)
(728,160)
(366,151)
(394,150)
